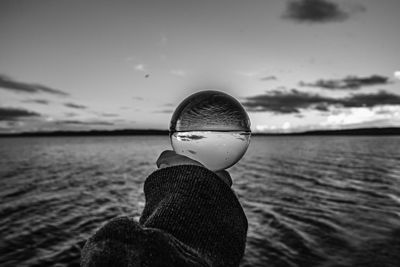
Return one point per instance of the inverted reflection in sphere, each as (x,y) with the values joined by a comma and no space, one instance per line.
(211,127)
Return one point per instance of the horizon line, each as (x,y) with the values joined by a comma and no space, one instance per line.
(99,132)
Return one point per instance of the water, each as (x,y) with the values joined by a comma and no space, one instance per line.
(310,201)
(215,150)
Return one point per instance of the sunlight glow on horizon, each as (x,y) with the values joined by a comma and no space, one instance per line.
(397,74)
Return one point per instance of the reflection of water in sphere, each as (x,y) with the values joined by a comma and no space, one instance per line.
(215,150)
(212,128)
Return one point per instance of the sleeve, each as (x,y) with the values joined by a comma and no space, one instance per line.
(191,218)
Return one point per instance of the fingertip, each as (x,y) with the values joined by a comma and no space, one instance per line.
(167,153)
(163,156)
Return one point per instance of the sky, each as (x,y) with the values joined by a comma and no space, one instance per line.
(294,65)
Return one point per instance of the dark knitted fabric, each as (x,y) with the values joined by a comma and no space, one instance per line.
(191,218)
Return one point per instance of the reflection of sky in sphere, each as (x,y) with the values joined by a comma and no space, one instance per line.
(212,128)
(210,110)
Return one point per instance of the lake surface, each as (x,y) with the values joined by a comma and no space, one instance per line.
(310,201)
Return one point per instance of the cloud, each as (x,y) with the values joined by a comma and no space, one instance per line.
(140,67)
(169,105)
(293,101)
(371,100)
(164,111)
(286,125)
(7,125)
(349,82)
(248,74)
(180,73)
(77,122)
(375,116)
(7,83)
(37,101)
(11,114)
(71,114)
(284,101)
(396,74)
(76,106)
(260,74)
(268,78)
(109,114)
(314,11)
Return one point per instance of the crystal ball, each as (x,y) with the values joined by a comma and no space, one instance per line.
(211,127)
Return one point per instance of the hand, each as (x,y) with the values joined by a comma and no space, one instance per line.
(169,158)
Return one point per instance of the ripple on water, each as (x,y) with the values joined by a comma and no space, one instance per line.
(310,201)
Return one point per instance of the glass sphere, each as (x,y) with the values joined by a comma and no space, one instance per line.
(211,127)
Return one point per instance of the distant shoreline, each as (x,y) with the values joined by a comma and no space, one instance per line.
(124,132)
(134,132)
(361,131)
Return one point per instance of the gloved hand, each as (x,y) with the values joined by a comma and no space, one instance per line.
(169,158)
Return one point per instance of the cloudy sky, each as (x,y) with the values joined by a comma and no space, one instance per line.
(294,65)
